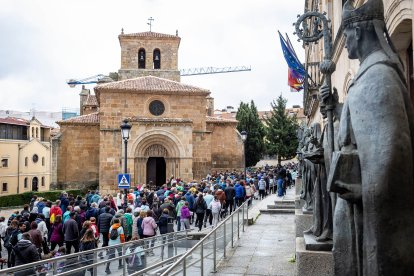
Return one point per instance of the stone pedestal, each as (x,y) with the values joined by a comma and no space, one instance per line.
(302,221)
(299,203)
(298,185)
(312,244)
(310,263)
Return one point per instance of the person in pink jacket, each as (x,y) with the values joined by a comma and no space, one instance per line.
(149,227)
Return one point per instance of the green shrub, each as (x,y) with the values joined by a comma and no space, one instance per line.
(24,198)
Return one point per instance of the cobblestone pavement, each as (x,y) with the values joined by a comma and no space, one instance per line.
(265,248)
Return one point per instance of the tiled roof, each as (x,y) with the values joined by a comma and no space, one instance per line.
(160,120)
(150,84)
(14,121)
(263,115)
(149,34)
(90,119)
(231,115)
(91,101)
(220,120)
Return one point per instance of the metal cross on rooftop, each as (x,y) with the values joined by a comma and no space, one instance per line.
(150,22)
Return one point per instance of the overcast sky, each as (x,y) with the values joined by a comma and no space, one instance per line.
(45,43)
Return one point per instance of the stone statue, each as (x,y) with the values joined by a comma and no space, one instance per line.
(308,172)
(300,134)
(374,219)
(322,210)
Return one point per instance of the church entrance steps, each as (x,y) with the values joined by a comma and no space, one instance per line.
(278,211)
(281,206)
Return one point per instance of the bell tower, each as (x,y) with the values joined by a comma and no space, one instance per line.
(149,53)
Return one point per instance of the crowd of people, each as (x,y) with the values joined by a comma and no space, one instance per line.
(45,229)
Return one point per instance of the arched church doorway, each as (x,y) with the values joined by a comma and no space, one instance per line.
(158,154)
(156,170)
(35,184)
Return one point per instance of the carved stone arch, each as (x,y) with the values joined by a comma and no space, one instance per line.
(165,138)
(396,13)
(156,150)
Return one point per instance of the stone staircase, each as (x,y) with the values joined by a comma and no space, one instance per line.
(280,207)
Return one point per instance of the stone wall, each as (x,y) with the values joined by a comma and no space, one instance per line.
(78,158)
(135,73)
(54,162)
(201,154)
(115,106)
(226,147)
(167,46)
(110,162)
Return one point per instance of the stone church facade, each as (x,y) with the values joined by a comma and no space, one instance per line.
(172,132)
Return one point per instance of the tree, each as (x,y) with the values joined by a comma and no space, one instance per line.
(281,130)
(249,121)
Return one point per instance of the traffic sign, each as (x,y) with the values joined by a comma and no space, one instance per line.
(124,180)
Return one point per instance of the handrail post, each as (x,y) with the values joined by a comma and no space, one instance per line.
(243,217)
(224,241)
(124,269)
(54,267)
(238,224)
(175,244)
(202,259)
(232,245)
(184,267)
(95,260)
(247,210)
(214,251)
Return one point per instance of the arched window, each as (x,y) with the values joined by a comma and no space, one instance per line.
(43,181)
(157,59)
(32,132)
(25,182)
(43,161)
(26,161)
(35,186)
(141,59)
(37,132)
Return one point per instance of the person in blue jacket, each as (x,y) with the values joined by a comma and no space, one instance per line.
(239,190)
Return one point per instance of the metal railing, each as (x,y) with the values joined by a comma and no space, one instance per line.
(133,256)
(202,259)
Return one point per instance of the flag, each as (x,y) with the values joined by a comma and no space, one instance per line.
(296,71)
(295,81)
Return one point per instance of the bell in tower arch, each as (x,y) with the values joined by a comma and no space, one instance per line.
(157,59)
(141,59)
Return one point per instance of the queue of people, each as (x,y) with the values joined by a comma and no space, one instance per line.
(45,229)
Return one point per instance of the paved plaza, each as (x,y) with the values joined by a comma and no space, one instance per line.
(266,248)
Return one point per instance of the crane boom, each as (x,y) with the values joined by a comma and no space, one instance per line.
(183,72)
(93,79)
(213,70)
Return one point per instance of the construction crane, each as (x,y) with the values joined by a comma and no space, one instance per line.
(94,79)
(212,70)
(183,72)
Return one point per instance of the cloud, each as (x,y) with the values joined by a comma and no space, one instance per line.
(44,45)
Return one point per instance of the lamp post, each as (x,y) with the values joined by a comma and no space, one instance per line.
(244,138)
(125,130)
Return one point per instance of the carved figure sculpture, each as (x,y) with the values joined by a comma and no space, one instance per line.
(374,219)
(322,210)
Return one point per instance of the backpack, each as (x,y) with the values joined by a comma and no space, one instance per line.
(7,240)
(114,234)
(216,207)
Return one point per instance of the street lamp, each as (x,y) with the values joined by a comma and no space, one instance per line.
(125,130)
(244,138)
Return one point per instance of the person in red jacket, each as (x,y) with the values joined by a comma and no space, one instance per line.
(54,211)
